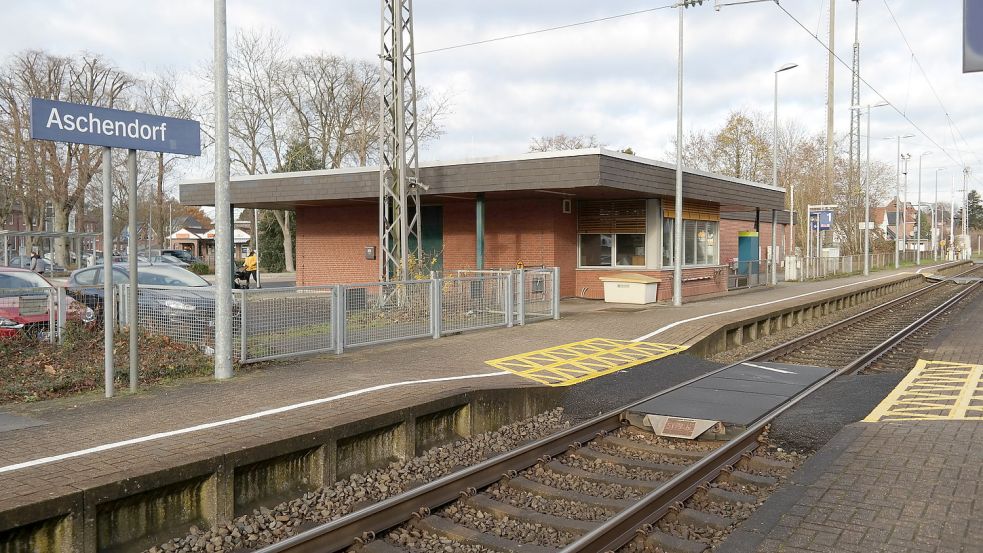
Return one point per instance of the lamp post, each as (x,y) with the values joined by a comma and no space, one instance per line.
(897,201)
(867,190)
(774,178)
(904,210)
(918,214)
(936,231)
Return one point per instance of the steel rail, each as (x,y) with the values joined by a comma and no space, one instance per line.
(363,524)
(623,527)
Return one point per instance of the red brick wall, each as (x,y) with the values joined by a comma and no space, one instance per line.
(728,238)
(331,244)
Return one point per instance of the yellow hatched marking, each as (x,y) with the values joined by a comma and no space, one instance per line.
(935,390)
(579,361)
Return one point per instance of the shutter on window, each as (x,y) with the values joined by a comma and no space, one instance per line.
(694,211)
(611,217)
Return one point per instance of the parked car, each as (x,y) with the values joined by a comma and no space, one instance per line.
(167,260)
(182,255)
(24,262)
(183,308)
(27,309)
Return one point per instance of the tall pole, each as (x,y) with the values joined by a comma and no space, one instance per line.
(829,96)
(904,210)
(897,211)
(952,220)
(774,172)
(677,269)
(109,298)
(918,215)
(867,201)
(259,282)
(223,218)
(936,231)
(131,242)
(966,171)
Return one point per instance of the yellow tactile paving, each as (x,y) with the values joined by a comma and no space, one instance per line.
(935,390)
(579,361)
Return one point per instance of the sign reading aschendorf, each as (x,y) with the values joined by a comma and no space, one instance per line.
(82,124)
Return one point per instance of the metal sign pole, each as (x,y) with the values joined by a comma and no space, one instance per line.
(131,242)
(223,220)
(108,296)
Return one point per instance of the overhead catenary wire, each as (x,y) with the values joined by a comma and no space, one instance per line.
(901,112)
(872,87)
(931,86)
(545,30)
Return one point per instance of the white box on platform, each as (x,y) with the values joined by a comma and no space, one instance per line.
(630,288)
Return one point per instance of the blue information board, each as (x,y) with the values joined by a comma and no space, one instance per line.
(83,124)
(821,220)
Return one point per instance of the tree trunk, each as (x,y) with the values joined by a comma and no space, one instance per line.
(283,219)
(62,214)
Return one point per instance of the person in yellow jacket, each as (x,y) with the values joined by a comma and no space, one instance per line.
(250,264)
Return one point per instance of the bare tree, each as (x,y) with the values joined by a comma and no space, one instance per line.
(563,141)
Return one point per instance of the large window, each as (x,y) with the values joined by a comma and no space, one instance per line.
(612,233)
(699,242)
(596,250)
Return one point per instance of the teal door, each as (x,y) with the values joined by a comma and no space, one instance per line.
(432,229)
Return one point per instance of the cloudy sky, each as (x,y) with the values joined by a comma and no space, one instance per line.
(615,79)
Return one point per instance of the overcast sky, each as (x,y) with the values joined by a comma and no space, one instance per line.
(614,79)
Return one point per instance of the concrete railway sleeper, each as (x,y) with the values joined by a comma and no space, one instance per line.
(604,486)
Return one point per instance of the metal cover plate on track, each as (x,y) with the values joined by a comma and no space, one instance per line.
(738,395)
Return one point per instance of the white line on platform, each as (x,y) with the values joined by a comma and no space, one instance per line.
(772,369)
(708,315)
(225,422)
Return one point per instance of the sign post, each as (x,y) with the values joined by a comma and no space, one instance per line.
(112,128)
(820,218)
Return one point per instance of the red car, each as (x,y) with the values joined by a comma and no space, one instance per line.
(24,303)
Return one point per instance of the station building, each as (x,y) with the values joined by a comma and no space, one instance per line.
(590,212)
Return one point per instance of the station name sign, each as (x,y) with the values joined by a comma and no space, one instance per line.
(83,124)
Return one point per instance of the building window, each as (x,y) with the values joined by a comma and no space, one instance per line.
(612,233)
(699,242)
(596,250)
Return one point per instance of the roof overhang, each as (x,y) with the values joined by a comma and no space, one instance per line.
(588,173)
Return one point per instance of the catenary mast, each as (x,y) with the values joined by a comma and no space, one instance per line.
(399,190)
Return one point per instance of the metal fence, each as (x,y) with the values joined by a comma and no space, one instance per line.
(272,323)
(810,268)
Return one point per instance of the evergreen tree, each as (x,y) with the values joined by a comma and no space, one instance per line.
(299,157)
(975,209)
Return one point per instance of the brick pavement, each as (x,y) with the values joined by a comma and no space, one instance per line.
(896,486)
(90,421)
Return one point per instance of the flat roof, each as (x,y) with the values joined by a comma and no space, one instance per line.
(584,173)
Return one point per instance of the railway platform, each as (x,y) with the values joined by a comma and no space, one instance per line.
(905,479)
(79,455)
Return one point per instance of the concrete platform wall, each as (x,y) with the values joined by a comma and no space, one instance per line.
(136,513)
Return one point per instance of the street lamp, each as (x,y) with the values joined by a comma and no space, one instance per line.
(867,189)
(897,201)
(918,214)
(774,179)
(936,231)
(905,158)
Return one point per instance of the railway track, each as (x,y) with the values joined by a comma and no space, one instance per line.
(603,486)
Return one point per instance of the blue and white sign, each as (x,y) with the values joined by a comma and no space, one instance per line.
(972,36)
(82,124)
(821,220)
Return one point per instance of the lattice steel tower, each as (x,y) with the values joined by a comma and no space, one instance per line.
(854,170)
(399,185)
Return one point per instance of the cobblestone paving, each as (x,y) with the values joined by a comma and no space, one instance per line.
(898,487)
